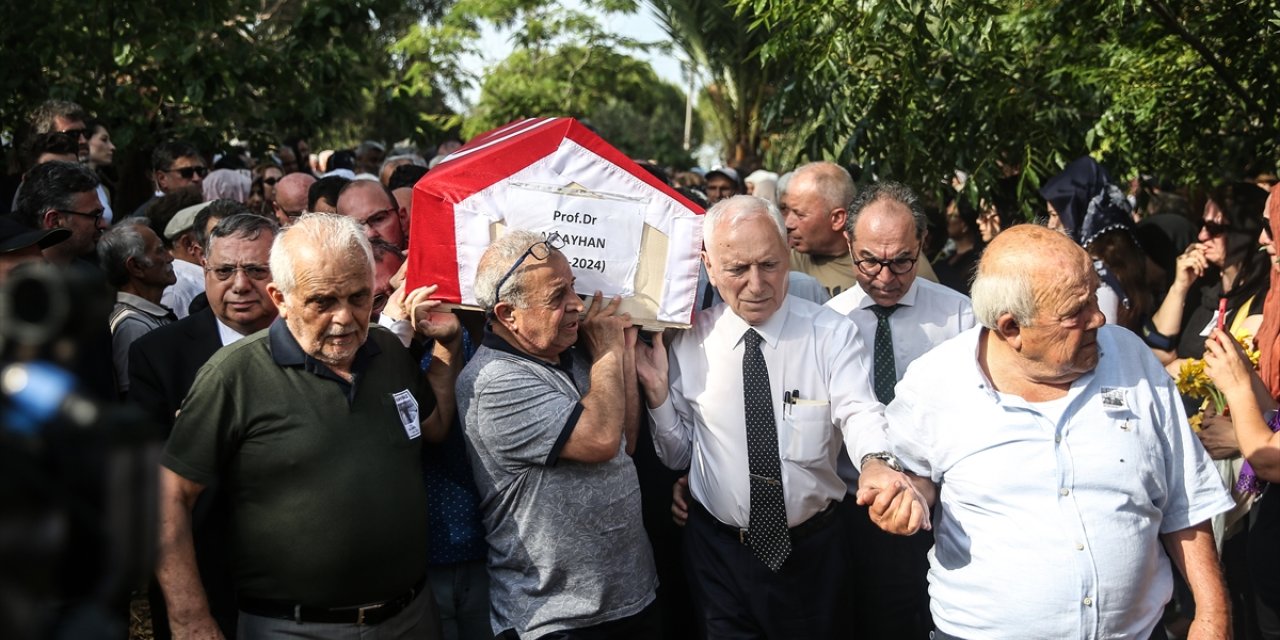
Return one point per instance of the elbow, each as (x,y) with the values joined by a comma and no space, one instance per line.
(1266,464)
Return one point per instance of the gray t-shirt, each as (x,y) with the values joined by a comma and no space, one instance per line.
(567,548)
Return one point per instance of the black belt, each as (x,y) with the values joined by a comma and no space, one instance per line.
(817,522)
(371,614)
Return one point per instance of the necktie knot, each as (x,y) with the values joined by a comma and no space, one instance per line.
(884,312)
(752,339)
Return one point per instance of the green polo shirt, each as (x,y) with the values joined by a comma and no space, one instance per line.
(324,477)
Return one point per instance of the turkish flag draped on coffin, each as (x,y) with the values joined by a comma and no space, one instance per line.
(626,232)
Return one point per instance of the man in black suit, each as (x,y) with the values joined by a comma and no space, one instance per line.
(163,365)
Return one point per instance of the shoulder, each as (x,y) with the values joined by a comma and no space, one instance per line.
(245,356)
(942,294)
(948,360)
(803,285)
(848,301)
(823,318)
(189,329)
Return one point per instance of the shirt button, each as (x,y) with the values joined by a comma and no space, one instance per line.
(1079,547)
(1088,602)
(1064,491)
(1057,439)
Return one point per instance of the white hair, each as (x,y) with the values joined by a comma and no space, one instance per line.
(333,236)
(997,291)
(495,262)
(738,209)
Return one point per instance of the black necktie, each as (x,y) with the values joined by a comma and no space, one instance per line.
(769,539)
(883,369)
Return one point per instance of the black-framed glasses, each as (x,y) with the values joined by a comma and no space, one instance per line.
(897,266)
(96,214)
(1214,229)
(188,173)
(227,271)
(539,250)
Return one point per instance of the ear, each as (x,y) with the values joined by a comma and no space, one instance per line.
(1009,330)
(277,298)
(51,220)
(711,273)
(159,178)
(133,266)
(838,218)
(505,313)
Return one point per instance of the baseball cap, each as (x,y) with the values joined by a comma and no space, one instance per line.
(182,221)
(727,172)
(15,235)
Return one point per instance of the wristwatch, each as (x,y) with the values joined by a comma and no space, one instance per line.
(883,456)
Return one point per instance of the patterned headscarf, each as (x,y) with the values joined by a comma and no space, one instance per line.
(1087,201)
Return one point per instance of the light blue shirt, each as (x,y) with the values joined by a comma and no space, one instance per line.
(1049,517)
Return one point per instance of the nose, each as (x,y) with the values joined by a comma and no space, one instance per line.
(196,178)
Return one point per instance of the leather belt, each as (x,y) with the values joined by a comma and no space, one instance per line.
(817,522)
(370,614)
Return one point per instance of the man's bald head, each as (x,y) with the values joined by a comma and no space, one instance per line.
(1020,268)
(291,195)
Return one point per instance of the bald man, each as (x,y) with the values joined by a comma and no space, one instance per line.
(1063,462)
(291,197)
(376,210)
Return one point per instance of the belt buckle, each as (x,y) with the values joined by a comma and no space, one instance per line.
(742,536)
(360,611)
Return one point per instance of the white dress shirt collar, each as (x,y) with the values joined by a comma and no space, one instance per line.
(225,333)
(908,298)
(771,331)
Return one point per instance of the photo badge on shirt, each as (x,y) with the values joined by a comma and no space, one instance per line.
(407,406)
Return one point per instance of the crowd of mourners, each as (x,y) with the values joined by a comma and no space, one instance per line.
(896,414)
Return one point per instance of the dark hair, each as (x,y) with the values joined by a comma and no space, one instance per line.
(341,159)
(164,208)
(52,142)
(405,175)
(232,158)
(42,117)
(893,192)
(1242,205)
(51,185)
(165,154)
(327,188)
(218,210)
(1137,274)
(358,183)
(241,225)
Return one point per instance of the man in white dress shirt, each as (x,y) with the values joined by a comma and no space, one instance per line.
(899,318)
(756,398)
(1063,460)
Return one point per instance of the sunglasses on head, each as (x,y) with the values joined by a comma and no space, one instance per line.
(189,172)
(1215,229)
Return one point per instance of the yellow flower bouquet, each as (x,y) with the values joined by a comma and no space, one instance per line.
(1193,382)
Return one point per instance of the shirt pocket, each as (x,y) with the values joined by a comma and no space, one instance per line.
(808,423)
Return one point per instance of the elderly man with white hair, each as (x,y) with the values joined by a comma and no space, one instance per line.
(314,430)
(1067,476)
(757,398)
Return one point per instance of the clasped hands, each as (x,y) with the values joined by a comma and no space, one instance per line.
(896,502)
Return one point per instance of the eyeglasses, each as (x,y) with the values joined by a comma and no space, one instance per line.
(189,172)
(292,214)
(270,181)
(228,271)
(539,250)
(96,214)
(1215,229)
(897,266)
(378,217)
(76,134)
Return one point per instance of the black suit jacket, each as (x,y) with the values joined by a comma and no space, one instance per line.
(162,367)
(163,363)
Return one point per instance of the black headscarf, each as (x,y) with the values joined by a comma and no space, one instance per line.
(1087,201)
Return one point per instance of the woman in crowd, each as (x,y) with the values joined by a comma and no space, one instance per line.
(958,262)
(101,155)
(1223,273)
(1085,204)
(262,193)
(1249,394)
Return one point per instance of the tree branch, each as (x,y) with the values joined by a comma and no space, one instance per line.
(1171,21)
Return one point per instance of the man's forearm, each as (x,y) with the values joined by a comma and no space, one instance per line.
(176,568)
(631,400)
(1193,552)
(442,374)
